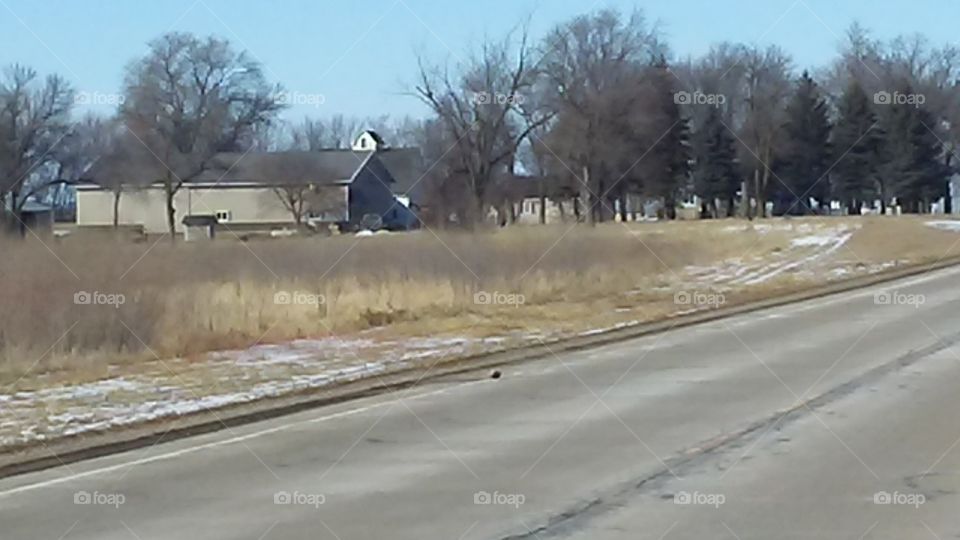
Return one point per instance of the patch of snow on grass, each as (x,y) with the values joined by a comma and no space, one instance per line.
(803,253)
(837,243)
(222,379)
(816,240)
(953,226)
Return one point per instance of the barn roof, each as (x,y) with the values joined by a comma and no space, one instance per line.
(284,168)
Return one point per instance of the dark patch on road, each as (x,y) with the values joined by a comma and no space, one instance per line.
(933,484)
(375,440)
(578,517)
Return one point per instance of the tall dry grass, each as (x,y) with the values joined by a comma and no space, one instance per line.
(187,298)
(905,238)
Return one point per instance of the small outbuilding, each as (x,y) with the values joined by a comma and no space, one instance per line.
(36,218)
(199,227)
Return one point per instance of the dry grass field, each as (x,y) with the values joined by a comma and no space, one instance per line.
(186,299)
(202,326)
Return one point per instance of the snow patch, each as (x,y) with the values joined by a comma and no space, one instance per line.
(953,226)
(222,379)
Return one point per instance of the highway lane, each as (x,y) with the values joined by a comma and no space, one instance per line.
(796,417)
(881,463)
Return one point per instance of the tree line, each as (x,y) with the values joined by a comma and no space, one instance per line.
(602,110)
(599,111)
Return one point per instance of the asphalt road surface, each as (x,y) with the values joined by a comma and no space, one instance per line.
(834,418)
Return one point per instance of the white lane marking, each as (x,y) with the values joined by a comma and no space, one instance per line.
(215,444)
(170,455)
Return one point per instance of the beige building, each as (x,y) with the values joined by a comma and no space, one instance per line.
(368,184)
(255,207)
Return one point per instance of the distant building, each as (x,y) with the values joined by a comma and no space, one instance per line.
(198,227)
(954,194)
(521,198)
(37,218)
(370,183)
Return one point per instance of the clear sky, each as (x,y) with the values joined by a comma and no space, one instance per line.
(360,54)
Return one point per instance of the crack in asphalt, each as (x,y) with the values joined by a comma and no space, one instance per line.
(576,517)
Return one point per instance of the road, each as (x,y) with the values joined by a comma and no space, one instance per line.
(833,418)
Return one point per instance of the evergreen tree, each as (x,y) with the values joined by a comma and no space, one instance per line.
(856,139)
(897,150)
(671,155)
(806,156)
(913,171)
(929,171)
(716,171)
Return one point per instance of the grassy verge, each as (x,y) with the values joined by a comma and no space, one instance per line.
(182,301)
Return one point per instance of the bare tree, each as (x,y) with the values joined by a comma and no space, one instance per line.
(481,104)
(294,199)
(766,88)
(933,74)
(593,64)
(303,190)
(334,133)
(189,99)
(755,84)
(399,132)
(302,187)
(339,132)
(307,200)
(538,160)
(34,118)
(445,198)
(87,141)
(106,153)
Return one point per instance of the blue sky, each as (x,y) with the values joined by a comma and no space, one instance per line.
(360,54)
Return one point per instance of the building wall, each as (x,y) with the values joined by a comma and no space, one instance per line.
(528,211)
(144,207)
(365,143)
(147,207)
(370,194)
(955,194)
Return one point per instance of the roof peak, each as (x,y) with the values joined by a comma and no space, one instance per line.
(369,140)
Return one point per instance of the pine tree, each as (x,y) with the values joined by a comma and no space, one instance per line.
(929,172)
(856,140)
(671,155)
(913,171)
(716,169)
(896,152)
(806,157)
(678,166)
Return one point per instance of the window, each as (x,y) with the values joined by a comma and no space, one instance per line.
(224,215)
